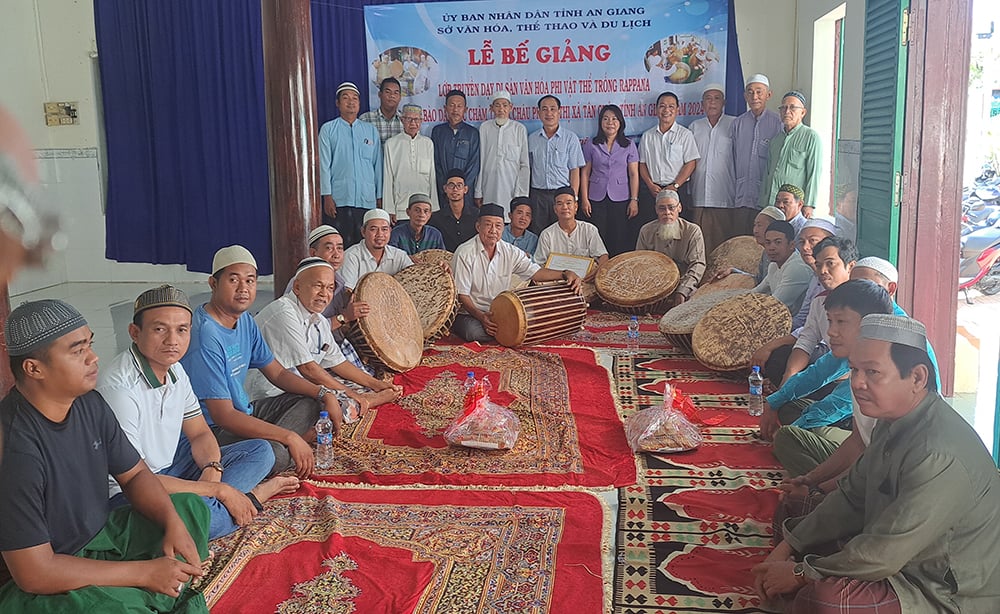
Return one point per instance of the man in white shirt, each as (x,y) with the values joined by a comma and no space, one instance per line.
(713,183)
(667,155)
(483,266)
(151,396)
(504,171)
(569,235)
(787,276)
(299,336)
(373,253)
(408,167)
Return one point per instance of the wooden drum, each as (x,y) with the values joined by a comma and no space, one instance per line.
(638,282)
(432,290)
(537,313)
(391,335)
(678,324)
(729,334)
(741,252)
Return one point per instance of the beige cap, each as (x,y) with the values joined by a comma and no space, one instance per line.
(234,254)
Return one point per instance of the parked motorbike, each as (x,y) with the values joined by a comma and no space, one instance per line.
(979,262)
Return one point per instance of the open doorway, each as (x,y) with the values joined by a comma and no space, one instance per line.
(827,75)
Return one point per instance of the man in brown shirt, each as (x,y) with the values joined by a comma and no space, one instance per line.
(678,238)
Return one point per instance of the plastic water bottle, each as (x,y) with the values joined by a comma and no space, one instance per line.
(470,382)
(487,386)
(756,392)
(324,441)
(632,337)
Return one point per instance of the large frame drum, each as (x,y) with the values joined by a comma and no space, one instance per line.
(537,313)
(726,338)
(638,282)
(432,290)
(391,335)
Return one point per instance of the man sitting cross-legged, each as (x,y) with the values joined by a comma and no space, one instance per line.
(225,344)
(296,331)
(678,238)
(63,549)
(151,396)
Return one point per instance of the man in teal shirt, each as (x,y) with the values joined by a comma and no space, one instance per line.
(795,155)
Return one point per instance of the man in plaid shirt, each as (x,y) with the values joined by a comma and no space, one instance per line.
(386,118)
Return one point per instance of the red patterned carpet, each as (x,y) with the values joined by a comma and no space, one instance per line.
(696,523)
(337,551)
(570,432)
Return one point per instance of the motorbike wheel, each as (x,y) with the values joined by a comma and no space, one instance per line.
(989,285)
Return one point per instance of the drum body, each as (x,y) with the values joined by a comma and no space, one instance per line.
(741,253)
(432,290)
(638,282)
(537,313)
(390,336)
(679,323)
(729,333)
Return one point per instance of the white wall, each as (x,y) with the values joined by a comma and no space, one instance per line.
(766,30)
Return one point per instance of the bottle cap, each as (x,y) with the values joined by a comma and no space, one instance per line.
(324,414)
(756,369)
(470,374)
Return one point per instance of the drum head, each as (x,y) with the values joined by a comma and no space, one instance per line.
(729,334)
(729,282)
(392,326)
(508,310)
(634,279)
(433,293)
(741,253)
(432,256)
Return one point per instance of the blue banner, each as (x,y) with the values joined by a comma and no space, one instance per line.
(587,56)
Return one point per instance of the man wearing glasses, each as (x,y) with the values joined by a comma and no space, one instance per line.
(678,238)
(456,222)
(409,167)
(795,155)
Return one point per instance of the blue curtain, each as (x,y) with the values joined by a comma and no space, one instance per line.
(183,90)
(735,103)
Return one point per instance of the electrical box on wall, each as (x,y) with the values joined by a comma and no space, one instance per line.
(61,114)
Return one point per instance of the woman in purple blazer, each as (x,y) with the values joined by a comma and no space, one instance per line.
(609,187)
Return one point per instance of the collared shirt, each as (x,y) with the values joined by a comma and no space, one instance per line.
(584,240)
(688,252)
(350,163)
(797,222)
(665,153)
(339,300)
(454,230)
(296,337)
(795,157)
(609,170)
(713,183)
(751,136)
(503,163)
(149,411)
(358,262)
(527,242)
(408,170)
(832,408)
(787,283)
(387,128)
(402,237)
(814,331)
(921,509)
(799,319)
(553,158)
(456,148)
(482,279)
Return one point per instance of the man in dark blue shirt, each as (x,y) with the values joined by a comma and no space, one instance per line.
(456,145)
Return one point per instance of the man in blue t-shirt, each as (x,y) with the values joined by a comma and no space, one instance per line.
(225,344)
(63,549)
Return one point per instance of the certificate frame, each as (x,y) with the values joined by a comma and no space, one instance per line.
(581,265)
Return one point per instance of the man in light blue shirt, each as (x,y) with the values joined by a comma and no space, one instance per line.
(556,158)
(350,166)
(516,232)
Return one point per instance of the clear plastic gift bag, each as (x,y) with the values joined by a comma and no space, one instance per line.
(666,427)
(483,424)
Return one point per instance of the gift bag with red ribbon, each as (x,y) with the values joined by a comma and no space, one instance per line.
(669,427)
(483,424)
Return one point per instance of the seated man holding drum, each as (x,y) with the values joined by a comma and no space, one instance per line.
(373,253)
(483,266)
(678,238)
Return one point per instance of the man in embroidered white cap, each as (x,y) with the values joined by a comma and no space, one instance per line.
(62,547)
(350,166)
(878,270)
(915,526)
(151,395)
(300,337)
(504,171)
(752,132)
(225,344)
(713,183)
(408,167)
(374,253)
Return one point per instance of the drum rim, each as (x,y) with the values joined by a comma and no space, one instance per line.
(610,296)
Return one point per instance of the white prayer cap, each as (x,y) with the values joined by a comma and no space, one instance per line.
(759,78)
(321,231)
(310,262)
(718,87)
(347,86)
(234,254)
(375,214)
(500,95)
(894,329)
(773,212)
(818,222)
(884,267)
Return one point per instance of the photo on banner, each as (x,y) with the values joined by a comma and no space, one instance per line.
(587,56)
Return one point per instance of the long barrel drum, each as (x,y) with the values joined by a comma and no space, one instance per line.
(537,313)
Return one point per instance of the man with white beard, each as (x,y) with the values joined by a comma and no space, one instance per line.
(678,238)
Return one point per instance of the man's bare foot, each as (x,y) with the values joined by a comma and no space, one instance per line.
(278,485)
(389,386)
(381,397)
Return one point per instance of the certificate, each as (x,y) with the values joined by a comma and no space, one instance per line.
(580,265)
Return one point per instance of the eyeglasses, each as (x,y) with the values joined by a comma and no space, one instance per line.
(789,107)
(454,186)
(411,119)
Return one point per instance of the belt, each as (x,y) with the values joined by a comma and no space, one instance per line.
(545,190)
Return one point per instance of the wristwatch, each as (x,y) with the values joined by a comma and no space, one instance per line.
(341,319)
(323,391)
(215,465)
(799,571)
(675,185)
